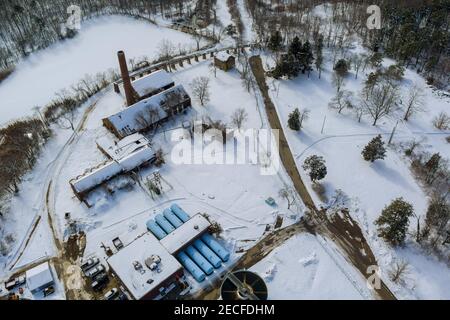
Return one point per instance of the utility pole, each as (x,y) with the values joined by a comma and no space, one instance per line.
(393,132)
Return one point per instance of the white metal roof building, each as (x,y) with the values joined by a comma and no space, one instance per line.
(126,156)
(39,278)
(117,150)
(185,234)
(152,84)
(133,264)
(148,112)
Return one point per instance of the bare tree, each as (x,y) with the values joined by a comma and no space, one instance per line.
(197,38)
(381,101)
(340,101)
(166,50)
(414,103)
(358,62)
(399,271)
(338,81)
(442,121)
(238,117)
(200,89)
(304,116)
(288,194)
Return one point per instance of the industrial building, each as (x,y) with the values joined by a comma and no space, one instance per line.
(124,156)
(39,278)
(224,61)
(150,100)
(152,266)
(149,112)
(152,84)
(146,269)
(188,239)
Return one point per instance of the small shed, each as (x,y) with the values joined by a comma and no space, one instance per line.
(224,61)
(39,278)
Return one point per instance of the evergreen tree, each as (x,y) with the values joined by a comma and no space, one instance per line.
(432,166)
(374,150)
(394,221)
(341,67)
(316,167)
(295,48)
(294,120)
(287,66)
(319,54)
(275,41)
(306,58)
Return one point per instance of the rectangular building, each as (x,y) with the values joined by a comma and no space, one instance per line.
(152,84)
(149,112)
(146,269)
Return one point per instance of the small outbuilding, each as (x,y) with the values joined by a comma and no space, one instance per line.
(224,61)
(39,278)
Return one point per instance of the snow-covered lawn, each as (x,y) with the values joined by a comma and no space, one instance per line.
(306,268)
(40,76)
(370,186)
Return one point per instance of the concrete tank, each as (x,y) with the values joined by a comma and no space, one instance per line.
(208,253)
(180,213)
(200,260)
(216,247)
(164,224)
(173,219)
(155,229)
(190,266)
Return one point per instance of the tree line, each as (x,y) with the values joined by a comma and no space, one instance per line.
(27,26)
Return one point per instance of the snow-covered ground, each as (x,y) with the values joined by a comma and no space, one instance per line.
(306,267)
(370,186)
(233,195)
(93,50)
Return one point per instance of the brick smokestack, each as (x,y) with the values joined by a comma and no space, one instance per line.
(126,78)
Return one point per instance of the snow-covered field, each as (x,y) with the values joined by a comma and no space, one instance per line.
(305,267)
(94,50)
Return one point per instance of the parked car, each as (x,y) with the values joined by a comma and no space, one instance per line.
(111,294)
(91,273)
(49,290)
(100,281)
(89,263)
(121,296)
(12,283)
(118,243)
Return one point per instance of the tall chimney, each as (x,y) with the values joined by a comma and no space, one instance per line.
(126,78)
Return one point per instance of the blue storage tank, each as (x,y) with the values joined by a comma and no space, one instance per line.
(173,219)
(180,213)
(208,253)
(216,247)
(200,260)
(155,229)
(164,224)
(190,266)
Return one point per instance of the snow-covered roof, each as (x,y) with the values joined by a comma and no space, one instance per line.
(185,234)
(223,56)
(148,111)
(152,82)
(110,169)
(39,276)
(118,150)
(140,250)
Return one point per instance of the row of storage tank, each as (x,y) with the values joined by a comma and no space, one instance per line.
(200,258)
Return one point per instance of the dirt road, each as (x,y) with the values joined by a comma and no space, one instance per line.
(344,231)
